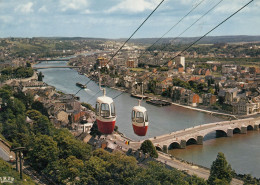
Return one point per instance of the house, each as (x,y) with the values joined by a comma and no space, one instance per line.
(230,95)
(245,107)
(209,99)
(189,98)
(63,117)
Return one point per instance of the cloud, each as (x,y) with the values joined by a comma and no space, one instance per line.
(43,9)
(73,4)
(233,6)
(6,18)
(135,5)
(24,8)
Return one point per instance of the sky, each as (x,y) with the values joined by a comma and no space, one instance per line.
(120,18)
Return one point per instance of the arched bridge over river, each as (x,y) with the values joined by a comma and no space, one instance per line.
(47,67)
(195,135)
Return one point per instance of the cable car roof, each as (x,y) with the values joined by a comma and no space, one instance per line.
(139,108)
(104,99)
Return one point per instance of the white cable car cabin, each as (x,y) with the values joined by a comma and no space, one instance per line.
(105,114)
(140,120)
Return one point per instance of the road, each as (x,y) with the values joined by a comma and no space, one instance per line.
(190,169)
(166,159)
(3,154)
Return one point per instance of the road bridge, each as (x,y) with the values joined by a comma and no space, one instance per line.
(195,135)
(50,60)
(47,67)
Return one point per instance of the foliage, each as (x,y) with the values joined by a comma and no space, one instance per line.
(65,160)
(69,146)
(88,106)
(220,171)
(248,179)
(94,130)
(147,147)
(6,170)
(152,86)
(44,151)
(37,105)
(40,76)
(19,72)
(27,99)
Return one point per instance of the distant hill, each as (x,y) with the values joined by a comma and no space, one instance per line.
(206,40)
(181,40)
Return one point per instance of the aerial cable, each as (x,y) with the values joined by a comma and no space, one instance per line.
(131,36)
(191,24)
(197,20)
(173,27)
(202,36)
(176,23)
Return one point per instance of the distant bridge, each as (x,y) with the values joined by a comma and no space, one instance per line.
(49,60)
(47,67)
(195,135)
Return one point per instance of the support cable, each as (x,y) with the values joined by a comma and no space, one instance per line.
(201,37)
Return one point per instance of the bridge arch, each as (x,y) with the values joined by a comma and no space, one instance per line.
(214,134)
(250,127)
(174,145)
(191,141)
(236,131)
(159,148)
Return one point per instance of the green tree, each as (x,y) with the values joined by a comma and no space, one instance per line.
(65,171)
(37,105)
(151,86)
(88,106)
(147,147)
(40,76)
(43,151)
(43,126)
(94,130)
(69,146)
(220,171)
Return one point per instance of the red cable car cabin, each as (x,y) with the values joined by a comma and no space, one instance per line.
(105,114)
(139,120)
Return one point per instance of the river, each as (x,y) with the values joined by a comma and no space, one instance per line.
(241,151)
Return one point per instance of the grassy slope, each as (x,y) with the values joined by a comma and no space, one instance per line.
(6,170)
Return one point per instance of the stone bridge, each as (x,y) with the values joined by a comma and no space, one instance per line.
(47,67)
(195,135)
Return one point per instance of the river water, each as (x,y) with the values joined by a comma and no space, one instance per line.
(241,151)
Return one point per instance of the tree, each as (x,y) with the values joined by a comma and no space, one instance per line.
(44,151)
(220,171)
(40,76)
(37,105)
(94,130)
(147,147)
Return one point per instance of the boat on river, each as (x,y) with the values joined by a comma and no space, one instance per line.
(159,103)
(81,85)
(139,96)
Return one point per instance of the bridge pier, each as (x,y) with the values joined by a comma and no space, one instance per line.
(183,144)
(165,149)
(243,129)
(256,127)
(230,132)
(200,140)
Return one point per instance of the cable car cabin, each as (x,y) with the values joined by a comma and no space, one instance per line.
(139,120)
(106,115)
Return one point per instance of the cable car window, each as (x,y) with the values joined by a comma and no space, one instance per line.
(97,109)
(133,115)
(146,117)
(105,110)
(113,111)
(139,117)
